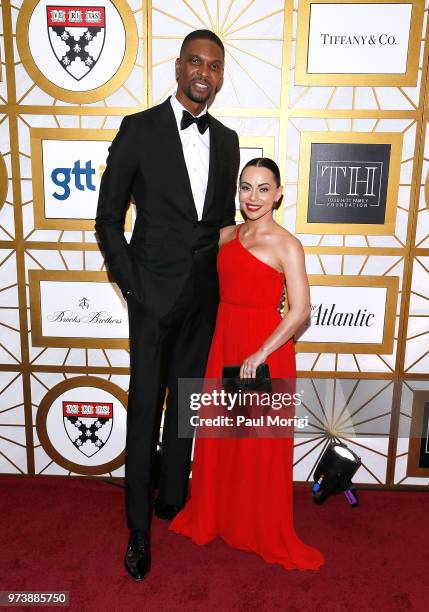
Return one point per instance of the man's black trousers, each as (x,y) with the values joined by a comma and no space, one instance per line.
(162,350)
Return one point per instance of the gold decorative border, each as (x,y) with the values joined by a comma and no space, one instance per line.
(395,139)
(44,407)
(391,283)
(266,143)
(302,77)
(413,469)
(3,181)
(78,97)
(37,136)
(16,106)
(426,190)
(72,276)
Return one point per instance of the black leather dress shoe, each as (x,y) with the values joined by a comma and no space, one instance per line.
(166,512)
(137,558)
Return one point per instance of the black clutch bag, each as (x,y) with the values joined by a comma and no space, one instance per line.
(232,382)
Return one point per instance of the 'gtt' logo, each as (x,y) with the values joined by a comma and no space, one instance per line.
(61,177)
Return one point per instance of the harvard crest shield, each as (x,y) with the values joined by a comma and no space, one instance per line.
(88,425)
(76,35)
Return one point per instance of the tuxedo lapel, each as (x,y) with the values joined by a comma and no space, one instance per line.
(174,160)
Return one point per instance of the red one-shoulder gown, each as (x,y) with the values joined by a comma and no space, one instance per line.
(242,487)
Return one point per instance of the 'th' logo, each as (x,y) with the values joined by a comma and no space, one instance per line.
(348,182)
(349,178)
(84,303)
(76,34)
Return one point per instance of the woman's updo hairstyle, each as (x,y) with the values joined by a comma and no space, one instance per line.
(269,164)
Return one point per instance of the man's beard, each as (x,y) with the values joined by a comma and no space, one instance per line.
(198,97)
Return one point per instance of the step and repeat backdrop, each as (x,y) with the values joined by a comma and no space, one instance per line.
(336,92)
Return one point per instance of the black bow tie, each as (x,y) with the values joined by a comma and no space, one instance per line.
(188,119)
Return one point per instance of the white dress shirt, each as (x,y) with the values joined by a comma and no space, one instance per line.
(196,150)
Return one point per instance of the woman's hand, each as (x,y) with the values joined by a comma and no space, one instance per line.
(249,365)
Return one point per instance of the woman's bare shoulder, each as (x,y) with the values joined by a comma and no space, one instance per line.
(227,234)
(285,241)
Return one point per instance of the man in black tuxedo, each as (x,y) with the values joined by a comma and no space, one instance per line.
(180,166)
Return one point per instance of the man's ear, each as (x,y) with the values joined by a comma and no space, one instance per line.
(177,67)
(219,87)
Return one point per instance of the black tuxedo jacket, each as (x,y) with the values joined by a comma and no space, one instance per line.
(168,243)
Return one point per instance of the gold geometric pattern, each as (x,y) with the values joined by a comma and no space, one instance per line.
(3,84)
(41,383)
(10,341)
(252,33)
(356,412)
(354,264)
(405,413)
(7,222)
(422,221)
(13,439)
(25,124)
(130,94)
(417,347)
(339,98)
(258,99)
(299,126)
(67,356)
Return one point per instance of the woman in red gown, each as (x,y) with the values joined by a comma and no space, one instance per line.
(242,487)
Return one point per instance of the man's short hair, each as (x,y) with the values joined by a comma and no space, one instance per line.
(202,35)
